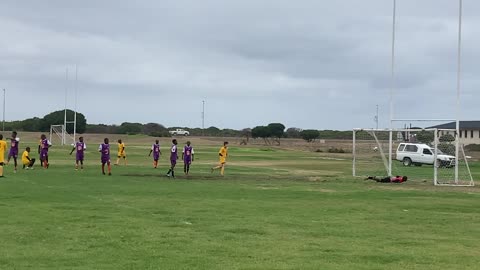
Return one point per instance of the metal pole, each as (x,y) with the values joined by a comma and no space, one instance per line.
(4,103)
(203,117)
(65,114)
(459,80)
(376,118)
(392,87)
(354,150)
(75,114)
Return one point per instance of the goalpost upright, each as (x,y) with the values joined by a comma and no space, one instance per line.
(61,129)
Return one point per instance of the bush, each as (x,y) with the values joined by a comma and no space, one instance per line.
(336,150)
(319,151)
(473,147)
(310,135)
(447,148)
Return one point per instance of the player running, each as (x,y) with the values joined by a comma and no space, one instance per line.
(45,144)
(104,149)
(80,147)
(121,152)
(26,160)
(14,141)
(3,148)
(156,153)
(188,157)
(222,154)
(173,158)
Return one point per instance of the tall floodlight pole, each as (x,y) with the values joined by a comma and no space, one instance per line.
(4,103)
(459,80)
(376,118)
(203,117)
(392,87)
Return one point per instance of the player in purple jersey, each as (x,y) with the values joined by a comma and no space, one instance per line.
(13,153)
(187,156)
(156,153)
(43,150)
(104,149)
(173,158)
(80,146)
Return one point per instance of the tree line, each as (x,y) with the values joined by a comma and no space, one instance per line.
(271,133)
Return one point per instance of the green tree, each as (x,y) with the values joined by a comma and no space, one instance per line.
(155,130)
(57,118)
(262,132)
(293,132)
(426,137)
(277,131)
(310,135)
(130,128)
(447,138)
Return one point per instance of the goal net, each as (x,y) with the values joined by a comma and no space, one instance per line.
(59,132)
(420,154)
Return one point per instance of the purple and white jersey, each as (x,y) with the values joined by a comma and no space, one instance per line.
(174,152)
(80,147)
(45,144)
(14,146)
(188,152)
(156,151)
(105,151)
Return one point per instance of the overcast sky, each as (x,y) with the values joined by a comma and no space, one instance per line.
(308,63)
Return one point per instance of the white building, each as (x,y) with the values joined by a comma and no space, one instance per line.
(469,131)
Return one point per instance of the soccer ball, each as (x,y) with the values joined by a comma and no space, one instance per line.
(375,149)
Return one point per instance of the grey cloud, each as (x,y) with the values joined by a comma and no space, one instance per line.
(312,64)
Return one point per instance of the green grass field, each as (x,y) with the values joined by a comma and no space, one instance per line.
(274,209)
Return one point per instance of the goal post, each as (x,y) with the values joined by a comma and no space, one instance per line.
(428,154)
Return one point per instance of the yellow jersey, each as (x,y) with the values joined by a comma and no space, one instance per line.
(223,153)
(25,158)
(121,150)
(3,149)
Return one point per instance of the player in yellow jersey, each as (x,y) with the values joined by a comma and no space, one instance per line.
(3,148)
(26,160)
(121,152)
(222,155)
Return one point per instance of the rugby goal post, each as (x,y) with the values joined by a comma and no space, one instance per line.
(375,153)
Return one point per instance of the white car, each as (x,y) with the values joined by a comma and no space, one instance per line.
(418,154)
(179,131)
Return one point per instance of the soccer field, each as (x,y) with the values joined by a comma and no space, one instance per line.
(275,209)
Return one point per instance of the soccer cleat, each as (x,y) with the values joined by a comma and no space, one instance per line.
(109,174)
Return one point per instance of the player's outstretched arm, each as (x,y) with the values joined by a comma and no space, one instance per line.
(73,149)
(150,152)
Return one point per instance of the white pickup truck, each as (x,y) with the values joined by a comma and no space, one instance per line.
(418,154)
(180,132)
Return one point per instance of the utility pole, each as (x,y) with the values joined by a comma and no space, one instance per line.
(4,98)
(203,117)
(376,118)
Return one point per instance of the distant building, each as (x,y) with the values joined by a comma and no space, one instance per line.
(469,131)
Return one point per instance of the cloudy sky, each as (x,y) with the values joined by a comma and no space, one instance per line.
(308,63)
